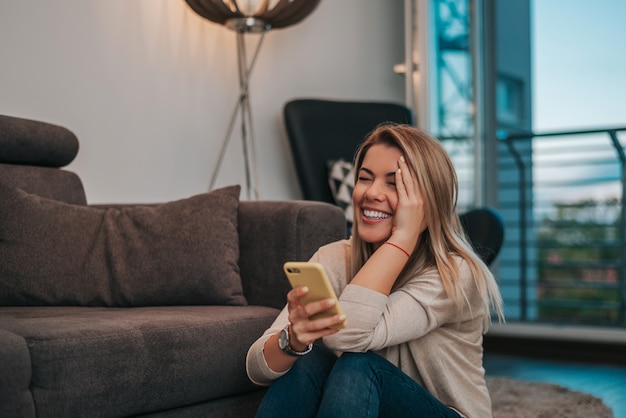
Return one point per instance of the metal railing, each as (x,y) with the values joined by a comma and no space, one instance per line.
(562,198)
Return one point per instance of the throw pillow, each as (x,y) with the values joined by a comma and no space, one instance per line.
(341,182)
(179,253)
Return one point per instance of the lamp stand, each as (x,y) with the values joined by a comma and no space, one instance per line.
(242,107)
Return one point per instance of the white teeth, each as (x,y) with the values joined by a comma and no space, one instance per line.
(375,214)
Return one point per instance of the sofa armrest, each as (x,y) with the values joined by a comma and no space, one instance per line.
(16,399)
(273,232)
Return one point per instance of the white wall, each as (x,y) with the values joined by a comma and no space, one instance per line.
(148,86)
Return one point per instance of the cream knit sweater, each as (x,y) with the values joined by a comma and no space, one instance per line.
(417,328)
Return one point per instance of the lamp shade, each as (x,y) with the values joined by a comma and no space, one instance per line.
(253,15)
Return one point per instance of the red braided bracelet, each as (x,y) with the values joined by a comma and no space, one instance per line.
(398,247)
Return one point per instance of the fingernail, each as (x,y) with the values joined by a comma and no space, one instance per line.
(402,158)
(305,289)
(342,317)
(331,302)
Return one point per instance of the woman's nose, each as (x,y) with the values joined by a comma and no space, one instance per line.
(373,192)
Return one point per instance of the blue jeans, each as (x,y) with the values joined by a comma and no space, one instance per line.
(355,385)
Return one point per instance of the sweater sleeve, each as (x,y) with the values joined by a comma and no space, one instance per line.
(376,321)
(256,366)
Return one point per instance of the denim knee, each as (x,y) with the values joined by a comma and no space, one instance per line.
(310,371)
(361,362)
(356,369)
(298,392)
(318,362)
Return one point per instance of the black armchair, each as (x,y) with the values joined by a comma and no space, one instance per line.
(485,229)
(323,130)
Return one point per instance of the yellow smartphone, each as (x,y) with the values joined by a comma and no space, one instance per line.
(314,277)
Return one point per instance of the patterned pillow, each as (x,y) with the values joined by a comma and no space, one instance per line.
(341,182)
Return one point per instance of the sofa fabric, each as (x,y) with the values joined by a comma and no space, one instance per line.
(30,153)
(16,399)
(118,362)
(31,142)
(55,253)
(161,327)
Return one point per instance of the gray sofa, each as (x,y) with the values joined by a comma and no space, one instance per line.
(124,310)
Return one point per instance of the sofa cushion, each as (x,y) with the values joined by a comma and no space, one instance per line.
(53,183)
(179,253)
(32,142)
(106,362)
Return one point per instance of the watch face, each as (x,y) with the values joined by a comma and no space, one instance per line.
(283,339)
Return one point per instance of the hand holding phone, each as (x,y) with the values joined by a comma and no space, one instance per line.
(314,277)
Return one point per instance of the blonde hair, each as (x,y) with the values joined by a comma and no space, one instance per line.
(444,236)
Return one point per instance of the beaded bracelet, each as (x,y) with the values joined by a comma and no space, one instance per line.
(398,247)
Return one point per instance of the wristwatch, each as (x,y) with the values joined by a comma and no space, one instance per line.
(283,343)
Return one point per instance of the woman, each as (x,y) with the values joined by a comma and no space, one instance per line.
(416,298)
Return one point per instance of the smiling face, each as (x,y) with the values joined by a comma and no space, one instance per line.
(375,197)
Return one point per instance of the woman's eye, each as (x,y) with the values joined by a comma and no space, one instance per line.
(392,183)
(361,178)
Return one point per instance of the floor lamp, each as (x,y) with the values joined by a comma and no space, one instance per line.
(249,16)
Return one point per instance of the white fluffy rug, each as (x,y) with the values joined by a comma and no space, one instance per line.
(522,399)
